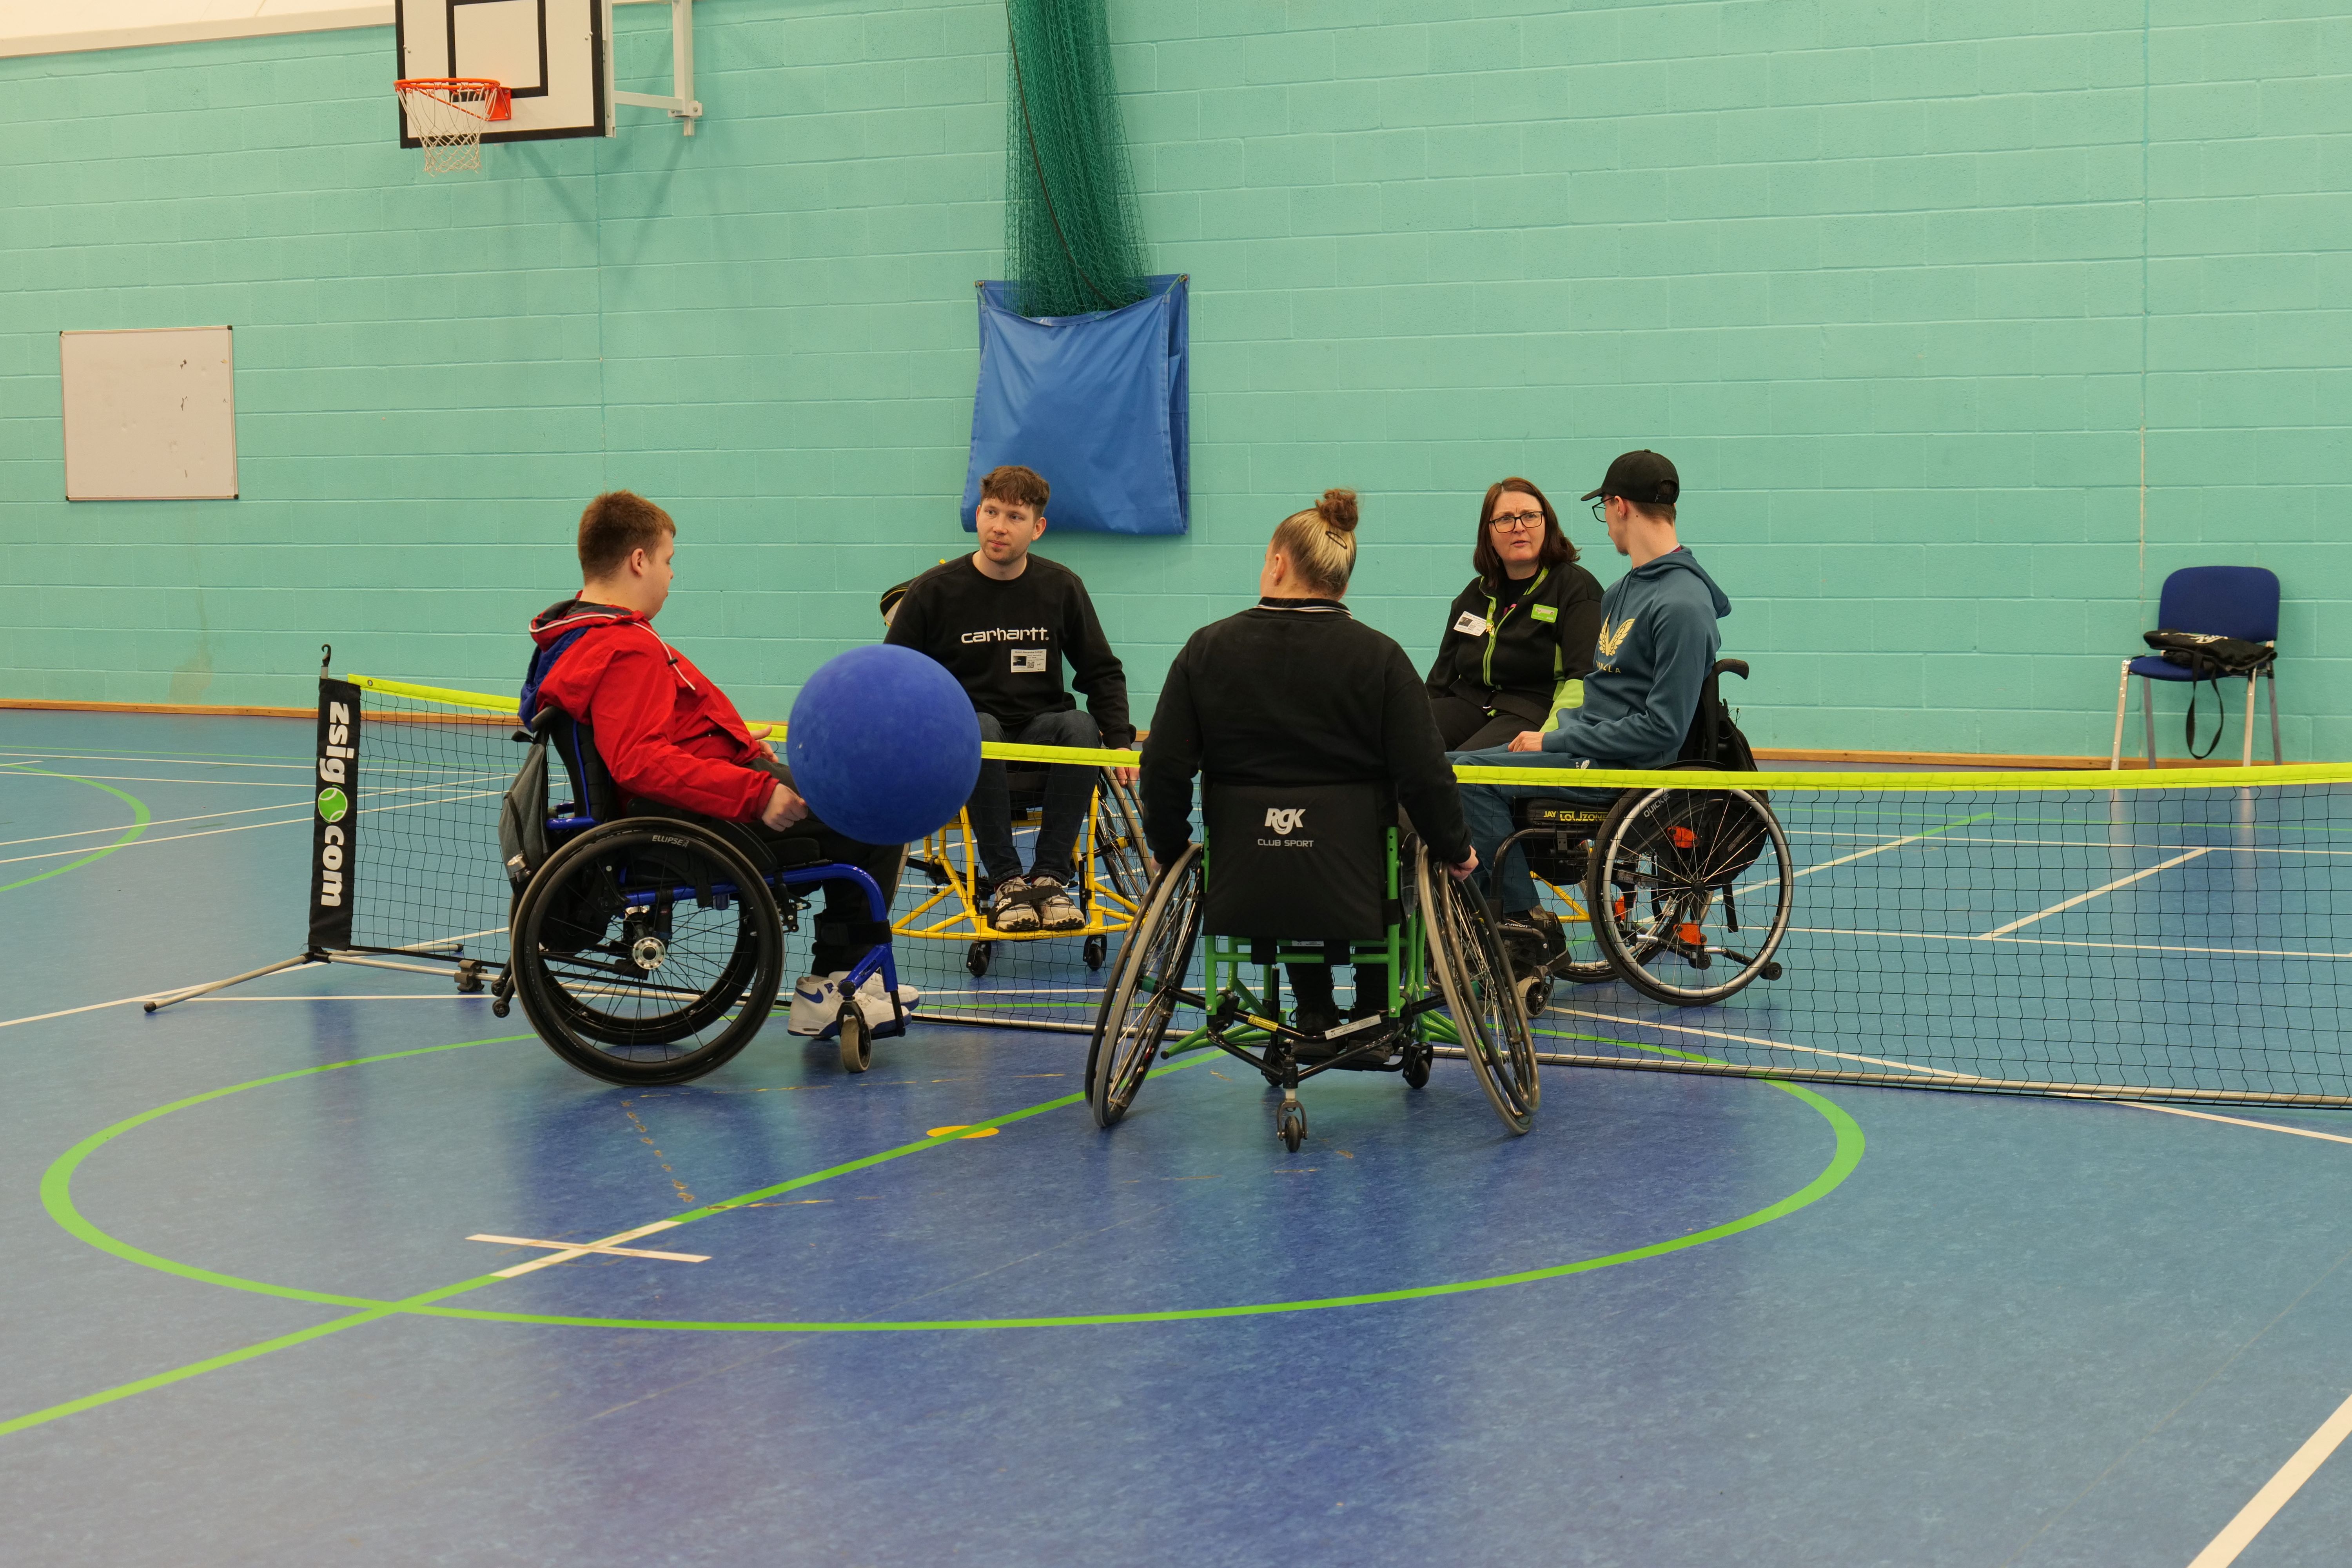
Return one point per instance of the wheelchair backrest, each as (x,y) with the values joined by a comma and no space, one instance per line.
(1713,740)
(1304,862)
(593,793)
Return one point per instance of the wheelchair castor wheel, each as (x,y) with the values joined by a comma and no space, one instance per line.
(502,991)
(1534,995)
(1290,1125)
(856,1039)
(1096,950)
(975,960)
(1771,971)
(1416,1067)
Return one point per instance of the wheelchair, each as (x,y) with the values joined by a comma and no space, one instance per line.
(648,949)
(1351,889)
(1108,888)
(1647,889)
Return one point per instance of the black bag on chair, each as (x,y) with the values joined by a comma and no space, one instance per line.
(1306,861)
(2207,657)
(522,816)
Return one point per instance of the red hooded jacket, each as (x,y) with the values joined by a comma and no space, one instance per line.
(665,732)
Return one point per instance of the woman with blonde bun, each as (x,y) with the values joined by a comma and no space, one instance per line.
(1294,691)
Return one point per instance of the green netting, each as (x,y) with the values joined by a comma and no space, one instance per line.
(1073,237)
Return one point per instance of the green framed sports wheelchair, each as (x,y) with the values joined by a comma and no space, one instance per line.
(1313,875)
(1682,894)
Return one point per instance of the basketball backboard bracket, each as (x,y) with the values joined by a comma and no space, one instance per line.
(679,101)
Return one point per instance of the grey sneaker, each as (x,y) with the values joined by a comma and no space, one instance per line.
(1056,910)
(1010,908)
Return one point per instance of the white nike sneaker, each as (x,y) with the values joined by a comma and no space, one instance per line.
(816,1001)
(816,1004)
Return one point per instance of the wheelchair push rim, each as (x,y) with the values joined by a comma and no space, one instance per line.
(1691,890)
(647,952)
(1145,989)
(1473,973)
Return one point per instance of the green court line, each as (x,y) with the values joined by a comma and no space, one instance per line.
(140,815)
(57,1196)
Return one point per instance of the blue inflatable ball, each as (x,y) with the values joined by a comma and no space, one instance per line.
(883,744)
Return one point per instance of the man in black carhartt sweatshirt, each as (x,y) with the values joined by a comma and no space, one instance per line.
(1002,621)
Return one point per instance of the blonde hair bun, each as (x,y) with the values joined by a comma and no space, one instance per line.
(1337,509)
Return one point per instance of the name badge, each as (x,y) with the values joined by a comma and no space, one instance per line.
(1471,625)
(1545,612)
(1028,661)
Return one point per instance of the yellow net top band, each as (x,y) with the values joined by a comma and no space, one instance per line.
(1558,778)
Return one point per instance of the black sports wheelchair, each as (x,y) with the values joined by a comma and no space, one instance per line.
(1684,894)
(648,949)
(1320,874)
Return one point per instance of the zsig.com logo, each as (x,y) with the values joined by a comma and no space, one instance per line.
(1283,820)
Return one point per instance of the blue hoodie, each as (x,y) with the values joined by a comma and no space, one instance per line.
(1658,640)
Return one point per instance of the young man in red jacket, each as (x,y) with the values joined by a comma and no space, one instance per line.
(669,736)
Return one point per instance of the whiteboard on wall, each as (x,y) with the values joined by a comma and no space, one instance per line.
(149,415)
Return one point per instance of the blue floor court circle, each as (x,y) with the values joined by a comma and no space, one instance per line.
(57,1195)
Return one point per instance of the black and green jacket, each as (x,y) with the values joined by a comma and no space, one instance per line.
(1514,668)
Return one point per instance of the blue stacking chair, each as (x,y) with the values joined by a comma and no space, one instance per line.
(2222,601)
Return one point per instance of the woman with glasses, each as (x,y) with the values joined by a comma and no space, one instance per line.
(1522,633)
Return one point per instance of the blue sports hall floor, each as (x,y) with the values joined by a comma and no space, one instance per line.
(1685,1321)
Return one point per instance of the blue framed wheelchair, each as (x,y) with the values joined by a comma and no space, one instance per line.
(649,949)
(1685,895)
(1319,874)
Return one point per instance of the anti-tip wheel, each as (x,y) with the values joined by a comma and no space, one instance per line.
(856,1039)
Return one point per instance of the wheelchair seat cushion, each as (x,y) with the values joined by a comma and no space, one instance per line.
(1306,862)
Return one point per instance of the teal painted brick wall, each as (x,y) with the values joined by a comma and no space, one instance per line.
(1966,324)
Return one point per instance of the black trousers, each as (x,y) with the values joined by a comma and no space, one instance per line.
(1466,726)
(836,945)
(1310,986)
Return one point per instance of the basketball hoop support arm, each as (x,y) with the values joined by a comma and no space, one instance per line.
(680,102)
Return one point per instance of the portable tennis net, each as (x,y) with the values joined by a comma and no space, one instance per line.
(2178,935)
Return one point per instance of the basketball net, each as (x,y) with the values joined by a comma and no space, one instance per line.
(446,114)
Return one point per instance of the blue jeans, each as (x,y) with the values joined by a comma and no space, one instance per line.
(1487,810)
(1069,789)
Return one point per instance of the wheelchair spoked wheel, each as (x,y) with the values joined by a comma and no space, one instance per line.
(1482,994)
(1142,998)
(1691,891)
(1119,839)
(647,952)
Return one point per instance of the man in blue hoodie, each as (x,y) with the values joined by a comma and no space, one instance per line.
(1658,640)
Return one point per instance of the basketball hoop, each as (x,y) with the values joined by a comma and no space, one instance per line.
(447,113)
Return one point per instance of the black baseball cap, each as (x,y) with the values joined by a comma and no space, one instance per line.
(1644,477)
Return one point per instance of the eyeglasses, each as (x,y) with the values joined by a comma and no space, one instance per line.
(1517,522)
(1600,509)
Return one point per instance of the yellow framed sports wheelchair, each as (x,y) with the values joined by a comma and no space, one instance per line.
(1110,883)
(1314,875)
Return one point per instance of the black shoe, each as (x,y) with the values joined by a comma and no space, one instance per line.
(1315,1018)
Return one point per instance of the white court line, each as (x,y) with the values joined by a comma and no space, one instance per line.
(2237,1120)
(2082,843)
(580,1250)
(247,827)
(2263,1506)
(158,822)
(2063,942)
(1753,1040)
(156,761)
(2236,1535)
(2094,892)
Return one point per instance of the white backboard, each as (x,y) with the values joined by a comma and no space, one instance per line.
(549,54)
(149,415)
